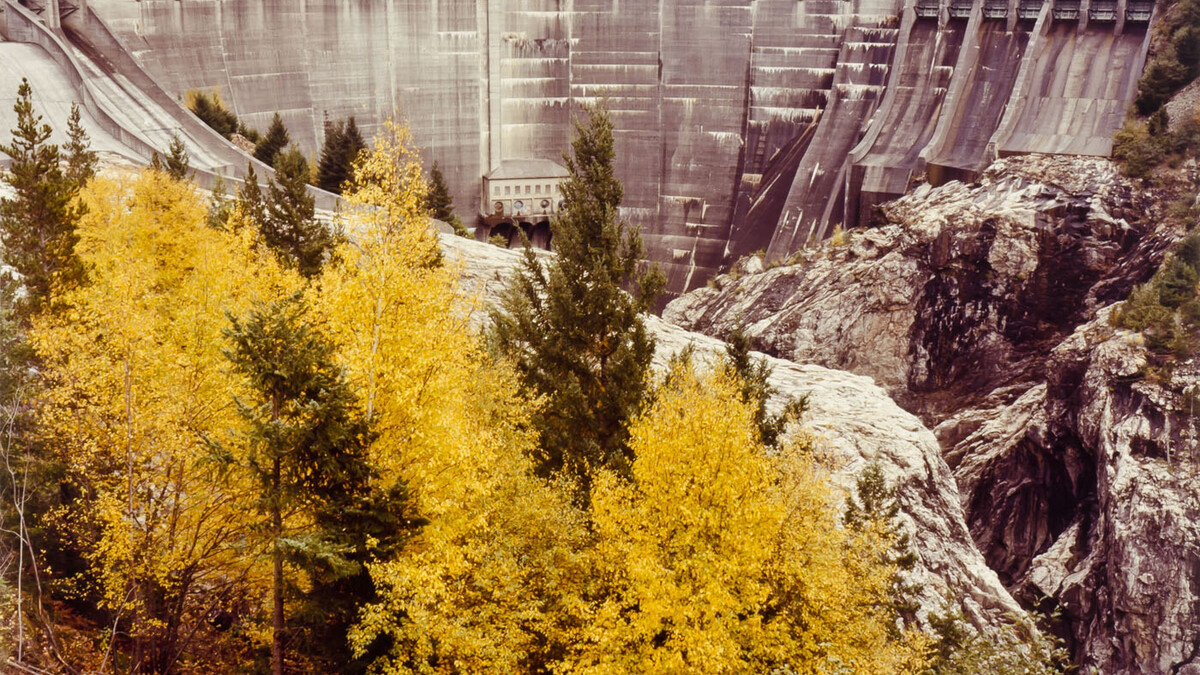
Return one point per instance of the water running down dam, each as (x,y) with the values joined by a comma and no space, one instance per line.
(740,125)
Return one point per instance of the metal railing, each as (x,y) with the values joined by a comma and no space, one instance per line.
(1029,10)
(1103,11)
(1139,12)
(1065,10)
(927,10)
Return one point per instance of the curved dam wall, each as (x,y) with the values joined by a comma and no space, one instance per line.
(123,109)
(886,159)
(740,124)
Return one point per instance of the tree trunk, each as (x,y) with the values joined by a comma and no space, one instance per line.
(277,614)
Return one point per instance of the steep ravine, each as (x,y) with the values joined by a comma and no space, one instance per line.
(856,422)
(983,309)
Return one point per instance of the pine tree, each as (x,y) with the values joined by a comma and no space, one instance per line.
(289,226)
(178,161)
(307,448)
(212,111)
(343,143)
(756,390)
(440,203)
(874,506)
(37,226)
(573,333)
(273,143)
(81,161)
(250,200)
(354,142)
(353,146)
(356,523)
(220,205)
(331,173)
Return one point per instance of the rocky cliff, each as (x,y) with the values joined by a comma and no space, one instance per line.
(853,419)
(984,308)
(958,291)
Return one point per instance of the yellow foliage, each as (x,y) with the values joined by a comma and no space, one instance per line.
(451,426)
(392,309)
(838,238)
(718,558)
(715,557)
(136,379)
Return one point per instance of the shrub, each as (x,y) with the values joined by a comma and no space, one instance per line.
(1138,149)
(1166,310)
(212,111)
(1176,63)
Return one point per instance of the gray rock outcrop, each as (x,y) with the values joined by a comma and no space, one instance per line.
(857,422)
(1084,491)
(959,292)
(985,309)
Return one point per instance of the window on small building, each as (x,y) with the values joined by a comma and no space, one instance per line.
(526,189)
(507,190)
(495,190)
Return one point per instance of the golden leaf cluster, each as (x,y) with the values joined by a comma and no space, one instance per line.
(714,557)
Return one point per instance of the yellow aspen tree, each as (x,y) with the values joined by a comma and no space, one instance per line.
(482,584)
(719,558)
(136,379)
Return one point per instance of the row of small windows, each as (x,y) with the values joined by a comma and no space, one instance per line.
(529,189)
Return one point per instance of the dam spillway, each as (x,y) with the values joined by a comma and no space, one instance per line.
(1076,92)
(740,125)
(886,159)
(976,101)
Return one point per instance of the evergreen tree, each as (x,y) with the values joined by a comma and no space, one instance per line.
(874,505)
(756,390)
(178,162)
(37,226)
(354,142)
(343,143)
(220,206)
(250,199)
(356,523)
(81,161)
(573,333)
(212,111)
(273,143)
(439,201)
(289,226)
(308,452)
(331,168)
(441,204)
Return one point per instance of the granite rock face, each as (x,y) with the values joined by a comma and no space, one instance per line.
(856,421)
(985,308)
(1084,491)
(960,290)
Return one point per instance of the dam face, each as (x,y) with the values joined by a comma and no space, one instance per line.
(740,125)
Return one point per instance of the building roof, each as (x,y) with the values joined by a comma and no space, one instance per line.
(510,169)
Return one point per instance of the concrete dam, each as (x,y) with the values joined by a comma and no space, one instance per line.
(741,125)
